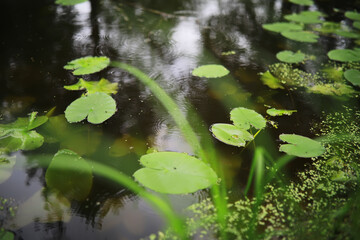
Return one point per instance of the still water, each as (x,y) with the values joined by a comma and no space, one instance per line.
(167,40)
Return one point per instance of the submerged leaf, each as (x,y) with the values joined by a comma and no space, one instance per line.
(230,134)
(94,86)
(334,89)
(96,107)
(301,146)
(69,2)
(329,27)
(279,112)
(282,26)
(345,55)
(174,173)
(301,36)
(87,65)
(303,2)
(290,56)
(353,15)
(244,118)
(353,76)
(210,71)
(272,82)
(69,174)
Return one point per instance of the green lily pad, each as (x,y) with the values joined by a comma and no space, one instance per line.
(174,173)
(69,2)
(244,118)
(329,27)
(306,17)
(87,65)
(94,86)
(290,56)
(210,71)
(353,76)
(303,2)
(353,15)
(6,167)
(282,26)
(6,235)
(356,24)
(347,34)
(301,146)
(345,55)
(279,112)
(96,107)
(230,134)
(69,174)
(269,80)
(301,36)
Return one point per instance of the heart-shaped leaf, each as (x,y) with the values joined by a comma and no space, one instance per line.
(96,107)
(303,2)
(282,26)
(305,17)
(301,146)
(174,173)
(290,57)
(353,15)
(301,36)
(69,2)
(210,71)
(279,112)
(94,86)
(69,174)
(244,118)
(345,55)
(87,65)
(353,76)
(230,134)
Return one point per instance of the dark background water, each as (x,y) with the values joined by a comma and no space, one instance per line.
(167,40)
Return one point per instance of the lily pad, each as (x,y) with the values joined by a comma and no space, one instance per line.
(329,27)
(353,15)
(210,71)
(230,134)
(96,107)
(69,174)
(290,56)
(94,86)
(174,173)
(303,2)
(345,55)
(301,146)
(347,34)
(6,167)
(353,76)
(305,17)
(87,65)
(244,118)
(279,112)
(282,26)
(301,36)
(356,24)
(69,2)
(272,82)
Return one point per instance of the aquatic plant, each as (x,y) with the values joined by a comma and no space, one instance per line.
(210,71)
(87,65)
(353,76)
(290,56)
(69,2)
(301,146)
(282,27)
(103,85)
(303,2)
(345,55)
(279,112)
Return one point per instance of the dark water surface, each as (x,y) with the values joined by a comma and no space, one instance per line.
(167,40)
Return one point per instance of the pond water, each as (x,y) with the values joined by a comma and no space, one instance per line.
(166,40)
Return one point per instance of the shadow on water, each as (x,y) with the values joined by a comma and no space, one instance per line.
(167,40)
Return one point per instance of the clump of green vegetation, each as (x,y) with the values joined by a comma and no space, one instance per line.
(7,211)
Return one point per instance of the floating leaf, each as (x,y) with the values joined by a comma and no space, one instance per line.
(272,82)
(96,107)
(303,2)
(301,146)
(210,71)
(305,17)
(244,118)
(353,15)
(282,27)
(334,89)
(174,173)
(87,65)
(228,53)
(279,112)
(290,56)
(230,134)
(301,36)
(6,235)
(356,24)
(69,174)
(329,27)
(347,34)
(345,55)
(353,76)
(6,167)
(94,86)
(69,2)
